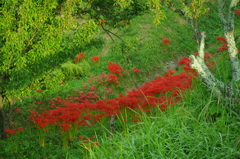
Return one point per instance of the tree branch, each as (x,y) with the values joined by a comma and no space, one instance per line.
(202,70)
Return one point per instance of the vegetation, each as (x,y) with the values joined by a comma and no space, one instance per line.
(113,95)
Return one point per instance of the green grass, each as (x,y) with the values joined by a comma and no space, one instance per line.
(190,129)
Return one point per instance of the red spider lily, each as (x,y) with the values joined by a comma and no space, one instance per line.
(96,143)
(186,61)
(79,57)
(100,23)
(115,68)
(136,70)
(223,47)
(18,110)
(77,109)
(92,88)
(124,21)
(210,64)
(206,55)
(166,41)
(62,83)
(20,128)
(95,59)
(38,90)
(81,137)
(10,131)
(238,12)
(221,39)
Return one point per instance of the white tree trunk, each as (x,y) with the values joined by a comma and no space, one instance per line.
(217,87)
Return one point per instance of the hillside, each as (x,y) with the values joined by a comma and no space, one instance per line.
(133,100)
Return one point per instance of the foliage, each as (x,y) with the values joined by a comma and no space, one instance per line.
(71,70)
(195,8)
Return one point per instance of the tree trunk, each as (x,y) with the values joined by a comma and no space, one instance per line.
(218,88)
(196,31)
(4,121)
(6,110)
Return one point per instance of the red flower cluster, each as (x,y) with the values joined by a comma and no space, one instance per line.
(124,21)
(79,57)
(95,59)
(223,47)
(19,110)
(9,131)
(14,130)
(165,40)
(83,109)
(100,23)
(206,55)
(115,68)
(136,70)
(238,12)
(186,62)
(103,79)
(221,39)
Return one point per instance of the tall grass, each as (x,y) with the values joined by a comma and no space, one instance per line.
(187,130)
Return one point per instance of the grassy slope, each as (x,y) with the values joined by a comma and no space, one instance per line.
(198,127)
(183,132)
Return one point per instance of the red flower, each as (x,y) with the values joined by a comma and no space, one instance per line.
(238,12)
(124,21)
(136,70)
(100,23)
(95,59)
(223,47)
(165,40)
(112,78)
(18,110)
(81,137)
(38,90)
(206,55)
(79,57)
(115,68)
(96,143)
(62,83)
(20,128)
(10,131)
(221,39)
(210,64)
(185,61)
